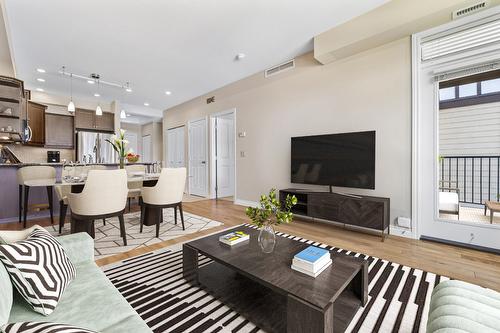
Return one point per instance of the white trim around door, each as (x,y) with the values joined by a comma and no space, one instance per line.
(198,157)
(231,177)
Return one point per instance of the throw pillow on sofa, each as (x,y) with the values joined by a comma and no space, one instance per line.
(43,327)
(12,236)
(39,269)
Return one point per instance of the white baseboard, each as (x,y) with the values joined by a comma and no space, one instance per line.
(402,232)
(246,203)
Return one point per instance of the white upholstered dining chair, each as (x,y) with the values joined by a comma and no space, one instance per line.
(167,193)
(134,187)
(104,195)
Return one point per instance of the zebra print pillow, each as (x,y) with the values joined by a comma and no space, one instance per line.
(41,327)
(39,269)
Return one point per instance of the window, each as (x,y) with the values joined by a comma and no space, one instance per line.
(471,90)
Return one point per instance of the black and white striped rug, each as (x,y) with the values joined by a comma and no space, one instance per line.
(152,283)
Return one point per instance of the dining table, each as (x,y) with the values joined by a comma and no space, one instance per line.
(77,183)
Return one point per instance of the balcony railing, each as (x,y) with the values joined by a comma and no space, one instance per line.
(476,177)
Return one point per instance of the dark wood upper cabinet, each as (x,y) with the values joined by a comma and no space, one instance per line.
(36,121)
(106,122)
(59,131)
(88,120)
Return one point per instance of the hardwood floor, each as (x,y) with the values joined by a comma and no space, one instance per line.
(458,263)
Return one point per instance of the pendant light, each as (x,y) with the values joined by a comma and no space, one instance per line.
(98,110)
(123,115)
(71,105)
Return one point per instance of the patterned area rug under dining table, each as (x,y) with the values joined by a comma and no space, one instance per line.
(152,283)
(109,242)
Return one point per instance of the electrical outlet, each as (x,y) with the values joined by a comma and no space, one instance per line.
(242,153)
(242,134)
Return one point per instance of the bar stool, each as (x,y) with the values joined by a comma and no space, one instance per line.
(35,176)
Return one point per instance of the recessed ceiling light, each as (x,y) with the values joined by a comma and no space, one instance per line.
(90,81)
(40,79)
(240,56)
(168,92)
(40,70)
(128,90)
(97,95)
(39,89)
(146,104)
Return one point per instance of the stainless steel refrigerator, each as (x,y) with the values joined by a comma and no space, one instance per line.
(92,148)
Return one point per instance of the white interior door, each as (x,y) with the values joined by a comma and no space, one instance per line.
(175,142)
(132,141)
(146,148)
(198,167)
(224,155)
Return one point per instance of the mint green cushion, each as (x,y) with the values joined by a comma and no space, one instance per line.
(6,293)
(457,306)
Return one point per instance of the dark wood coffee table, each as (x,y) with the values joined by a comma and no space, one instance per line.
(264,289)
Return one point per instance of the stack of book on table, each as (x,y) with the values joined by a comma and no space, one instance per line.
(312,261)
(234,238)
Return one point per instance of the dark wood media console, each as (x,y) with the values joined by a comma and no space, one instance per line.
(362,211)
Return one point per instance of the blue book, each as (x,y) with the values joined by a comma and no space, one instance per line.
(312,254)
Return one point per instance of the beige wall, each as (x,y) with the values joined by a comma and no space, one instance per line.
(6,66)
(369,91)
(155,130)
(137,129)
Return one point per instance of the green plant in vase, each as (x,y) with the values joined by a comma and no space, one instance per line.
(269,213)
(119,144)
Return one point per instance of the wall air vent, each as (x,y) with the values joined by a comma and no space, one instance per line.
(280,68)
(471,9)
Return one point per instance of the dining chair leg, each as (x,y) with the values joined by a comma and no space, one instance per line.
(122,229)
(91,227)
(129,200)
(21,203)
(143,215)
(104,221)
(182,216)
(175,215)
(51,207)
(25,204)
(62,215)
(72,225)
(158,221)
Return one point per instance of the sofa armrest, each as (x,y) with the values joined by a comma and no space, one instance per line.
(79,247)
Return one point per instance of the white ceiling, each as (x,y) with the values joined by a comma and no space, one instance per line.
(185,46)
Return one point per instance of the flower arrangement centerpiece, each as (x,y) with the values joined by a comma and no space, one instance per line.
(271,212)
(120,146)
(132,158)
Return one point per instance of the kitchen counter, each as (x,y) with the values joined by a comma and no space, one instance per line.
(9,190)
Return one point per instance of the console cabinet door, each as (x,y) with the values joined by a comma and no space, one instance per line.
(324,206)
(363,213)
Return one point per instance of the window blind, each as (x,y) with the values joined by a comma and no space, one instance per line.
(460,41)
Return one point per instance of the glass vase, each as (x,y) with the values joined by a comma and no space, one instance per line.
(267,238)
(122,163)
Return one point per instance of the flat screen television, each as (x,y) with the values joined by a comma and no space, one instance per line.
(344,159)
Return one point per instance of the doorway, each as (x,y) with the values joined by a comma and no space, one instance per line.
(197,151)
(223,164)
(175,144)
(146,148)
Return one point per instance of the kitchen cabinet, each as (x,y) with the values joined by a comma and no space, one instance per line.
(36,121)
(59,131)
(88,120)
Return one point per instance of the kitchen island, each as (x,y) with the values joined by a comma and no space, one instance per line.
(9,190)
